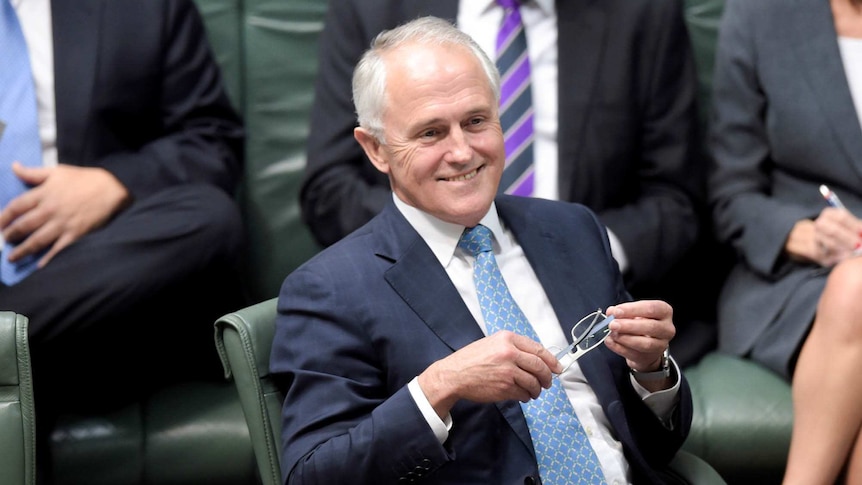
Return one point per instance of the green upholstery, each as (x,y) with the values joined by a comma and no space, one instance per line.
(743,414)
(743,417)
(244,339)
(17,423)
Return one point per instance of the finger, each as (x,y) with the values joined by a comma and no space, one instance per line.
(527,384)
(537,350)
(25,224)
(62,243)
(656,309)
(30,175)
(36,242)
(18,206)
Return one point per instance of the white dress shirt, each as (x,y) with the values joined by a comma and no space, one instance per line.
(442,238)
(851,55)
(35,19)
(481,19)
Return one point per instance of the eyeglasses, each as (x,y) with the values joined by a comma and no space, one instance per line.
(587,334)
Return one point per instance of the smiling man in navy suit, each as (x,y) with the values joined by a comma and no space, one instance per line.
(390,368)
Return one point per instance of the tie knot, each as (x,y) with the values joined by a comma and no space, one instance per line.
(508,4)
(476,240)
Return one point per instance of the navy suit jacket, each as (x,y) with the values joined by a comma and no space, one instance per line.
(362,318)
(138,94)
(627,125)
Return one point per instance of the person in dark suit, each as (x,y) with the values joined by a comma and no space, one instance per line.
(390,370)
(614,89)
(133,212)
(786,120)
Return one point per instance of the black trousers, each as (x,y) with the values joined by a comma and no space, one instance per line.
(132,305)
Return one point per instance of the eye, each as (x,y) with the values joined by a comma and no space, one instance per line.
(430,133)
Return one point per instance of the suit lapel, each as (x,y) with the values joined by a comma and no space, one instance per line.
(816,47)
(559,275)
(423,284)
(76,25)
(582,28)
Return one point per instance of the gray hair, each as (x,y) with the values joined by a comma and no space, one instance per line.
(369,77)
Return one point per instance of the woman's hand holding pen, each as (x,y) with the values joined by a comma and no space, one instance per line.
(835,235)
(838,235)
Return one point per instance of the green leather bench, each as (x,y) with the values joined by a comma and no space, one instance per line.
(17,425)
(197,433)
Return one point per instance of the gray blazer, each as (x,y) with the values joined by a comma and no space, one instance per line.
(783,123)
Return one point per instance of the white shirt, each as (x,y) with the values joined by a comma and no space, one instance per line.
(851,55)
(35,19)
(442,238)
(480,19)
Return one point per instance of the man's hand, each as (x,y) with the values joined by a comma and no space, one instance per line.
(640,332)
(499,367)
(65,203)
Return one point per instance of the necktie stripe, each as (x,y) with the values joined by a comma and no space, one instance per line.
(519,123)
(516,83)
(522,186)
(516,112)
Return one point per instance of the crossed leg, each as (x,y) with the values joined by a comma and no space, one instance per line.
(827,386)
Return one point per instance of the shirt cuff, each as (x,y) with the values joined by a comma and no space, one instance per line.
(662,403)
(439,427)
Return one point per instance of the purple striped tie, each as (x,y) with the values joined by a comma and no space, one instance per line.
(516,102)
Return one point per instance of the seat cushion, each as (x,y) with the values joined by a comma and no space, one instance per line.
(743,417)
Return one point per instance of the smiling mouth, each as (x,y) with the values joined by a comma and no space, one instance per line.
(463,178)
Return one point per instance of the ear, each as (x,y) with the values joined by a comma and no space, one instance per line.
(373,148)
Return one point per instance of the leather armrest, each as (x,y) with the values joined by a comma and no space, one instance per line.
(17,416)
(244,339)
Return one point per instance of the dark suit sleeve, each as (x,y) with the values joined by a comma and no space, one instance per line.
(347,418)
(341,189)
(180,126)
(660,223)
(748,213)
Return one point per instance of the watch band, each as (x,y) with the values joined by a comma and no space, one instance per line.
(662,373)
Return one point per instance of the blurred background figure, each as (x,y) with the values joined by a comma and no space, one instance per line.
(786,120)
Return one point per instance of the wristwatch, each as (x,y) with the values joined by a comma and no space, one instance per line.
(662,373)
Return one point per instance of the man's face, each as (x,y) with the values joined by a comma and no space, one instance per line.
(444,150)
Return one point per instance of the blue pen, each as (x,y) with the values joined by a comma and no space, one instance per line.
(831,197)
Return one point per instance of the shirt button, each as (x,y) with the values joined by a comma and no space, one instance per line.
(589,431)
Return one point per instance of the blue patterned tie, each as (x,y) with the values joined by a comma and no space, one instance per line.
(516,102)
(564,454)
(19,139)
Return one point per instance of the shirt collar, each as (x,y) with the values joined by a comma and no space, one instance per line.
(441,236)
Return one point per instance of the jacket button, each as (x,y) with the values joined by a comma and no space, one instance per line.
(532,481)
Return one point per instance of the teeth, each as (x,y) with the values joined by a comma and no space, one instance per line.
(462,178)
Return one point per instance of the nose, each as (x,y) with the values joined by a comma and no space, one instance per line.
(459,149)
